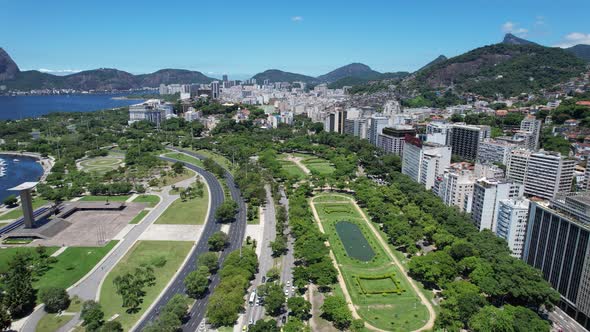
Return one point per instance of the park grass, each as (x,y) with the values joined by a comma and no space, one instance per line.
(152,200)
(52,322)
(292,170)
(169,180)
(142,252)
(73,264)
(391,312)
(6,255)
(102,165)
(18,212)
(190,212)
(94,198)
(139,217)
(330,198)
(319,165)
(185,158)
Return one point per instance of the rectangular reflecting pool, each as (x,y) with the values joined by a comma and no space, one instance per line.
(355,243)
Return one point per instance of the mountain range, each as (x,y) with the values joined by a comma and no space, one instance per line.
(513,65)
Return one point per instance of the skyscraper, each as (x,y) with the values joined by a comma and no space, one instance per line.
(215,90)
(392,139)
(376,125)
(487,194)
(424,162)
(558,243)
(533,126)
(511,222)
(224,78)
(465,139)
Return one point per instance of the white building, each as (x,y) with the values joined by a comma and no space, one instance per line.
(192,115)
(376,125)
(544,174)
(455,188)
(392,139)
(436,132)
(424,162)
(511,223)
(487,194)
(492,151)
(152,110)
(533,126)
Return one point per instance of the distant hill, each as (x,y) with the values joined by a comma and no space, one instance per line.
(501,68)
(275,75)
(8,68)
(438,59)
(96,79)
(352,81)
(356,70)
(511,39)
(582,51)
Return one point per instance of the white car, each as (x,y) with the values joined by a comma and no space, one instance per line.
(288,282)
(286,292)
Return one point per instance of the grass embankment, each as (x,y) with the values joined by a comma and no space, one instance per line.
(292,169)
(151,200)
(175,178)
(192,211)
(185,158)
(139,217)
(18,212)
(221,160)
(143,252)
(389,311)
(94,198)
(73,264)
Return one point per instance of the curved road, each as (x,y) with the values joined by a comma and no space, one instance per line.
(236,236)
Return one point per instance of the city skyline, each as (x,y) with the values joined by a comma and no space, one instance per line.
(242,39)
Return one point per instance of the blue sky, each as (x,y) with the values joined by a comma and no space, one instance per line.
(242,38)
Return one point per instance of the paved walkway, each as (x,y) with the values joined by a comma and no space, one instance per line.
(297,161)
(432,314)
(88,288)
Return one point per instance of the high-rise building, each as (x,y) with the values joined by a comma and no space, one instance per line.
(557,242)
(511,221)
(465,139)
(544,174)
(437,132)
(533,126)
(215,91)
(224,78)
(163,90)
(392,139)
(152,110)
(492,151)
(335,122)
(487,194)
(376,125)
(455,187)
(356,127)
(424,162)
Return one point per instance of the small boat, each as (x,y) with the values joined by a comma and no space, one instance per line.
(15,160)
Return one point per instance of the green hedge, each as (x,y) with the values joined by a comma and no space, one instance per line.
(398,289)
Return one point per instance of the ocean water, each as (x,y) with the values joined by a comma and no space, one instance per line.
(26,169)
(18,107)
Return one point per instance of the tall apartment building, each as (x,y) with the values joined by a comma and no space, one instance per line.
(533,126)
(511,222)
(487,194)
(376,125)
(492,151)
(436,132)
(465,139)
(455,187)
(392,139)
(335,122)
(215,90)
(356,127)
(424,162)
(544,174)
(152,110)
(558,243)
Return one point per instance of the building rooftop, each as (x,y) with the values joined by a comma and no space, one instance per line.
(24,186)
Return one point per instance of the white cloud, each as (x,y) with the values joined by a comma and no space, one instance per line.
(297,18)
(513,28)
(574,38)
(59,71)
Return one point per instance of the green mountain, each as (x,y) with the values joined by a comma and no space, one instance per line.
(501,68)
(275,75)
(438,59)
(353,81)
(356,70)
(582,51)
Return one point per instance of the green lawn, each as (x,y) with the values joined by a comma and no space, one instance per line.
(292,170)
(6,255)
(190,212)
(102,165)
(143,252)
(319,165)
(18,212)
(392,312)
(185,158)
(93,198)
(73,264)
(139,217)
(152,200)
(52,322)
(169,180)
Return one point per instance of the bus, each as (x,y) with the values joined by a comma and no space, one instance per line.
(252,297)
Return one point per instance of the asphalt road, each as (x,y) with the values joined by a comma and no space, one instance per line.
(563,322)
(288,258)
(236,236)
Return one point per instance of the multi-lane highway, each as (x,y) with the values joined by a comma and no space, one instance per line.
(236,236)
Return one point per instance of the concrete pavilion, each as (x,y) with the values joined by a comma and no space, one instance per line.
(26,200)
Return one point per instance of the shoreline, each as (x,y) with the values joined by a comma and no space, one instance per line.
(45,162)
